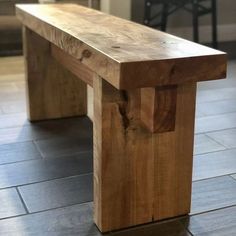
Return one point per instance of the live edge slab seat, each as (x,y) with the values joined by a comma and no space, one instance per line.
(144,84)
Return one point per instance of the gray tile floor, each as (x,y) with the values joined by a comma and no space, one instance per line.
(46,167)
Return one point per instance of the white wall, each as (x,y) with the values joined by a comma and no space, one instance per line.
(121,8)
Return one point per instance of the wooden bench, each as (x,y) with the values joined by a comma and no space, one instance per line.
(144,84)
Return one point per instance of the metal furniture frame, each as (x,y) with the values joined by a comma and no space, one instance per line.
(197,8)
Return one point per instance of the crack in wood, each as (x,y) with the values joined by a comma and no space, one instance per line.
(123,112)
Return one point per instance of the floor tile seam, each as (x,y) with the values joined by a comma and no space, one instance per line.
(217,141)
(47,210)
(209,178)
(22,200)
(205,153)
(213,131)
(44,181)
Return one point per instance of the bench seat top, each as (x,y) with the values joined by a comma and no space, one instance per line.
(126,54)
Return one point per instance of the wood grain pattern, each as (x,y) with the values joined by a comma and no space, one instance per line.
(52,91)
(125,54)
(158,108)
(73,65)
(123,160)
(174,158)
(140,177)
(138,75)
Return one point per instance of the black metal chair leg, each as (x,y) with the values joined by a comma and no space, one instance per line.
(147,13)
(214,24)
(164,16)
(170,6)
(195,21)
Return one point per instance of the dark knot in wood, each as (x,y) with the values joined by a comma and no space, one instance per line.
(85,54)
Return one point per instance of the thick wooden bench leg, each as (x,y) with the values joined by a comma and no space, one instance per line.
(174,159)
(139,176)
(52,91)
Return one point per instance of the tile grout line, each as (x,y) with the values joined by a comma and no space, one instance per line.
(215,177)
(27,140)
(54,179)
(15,162)
(218,114)
(188,231)
(12,217)
(22,201)
(208,152)
(46,210)
(215,101)
(227,149)
(88,202)
(232,177)
(10,142)
(46,158)
(58,156)
(91,173)
(57,208)
(210,211)
(38,149)
(91,202)
(193,181)
(216,141)
(213,131)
